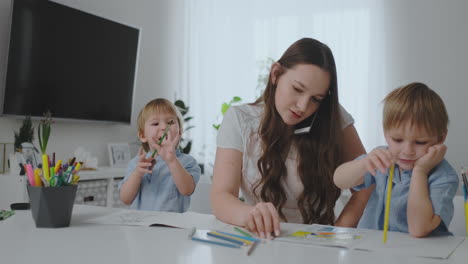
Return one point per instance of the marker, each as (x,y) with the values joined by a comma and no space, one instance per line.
(30,173)
(37,178)
(77,168)
(57,166)
(76,178)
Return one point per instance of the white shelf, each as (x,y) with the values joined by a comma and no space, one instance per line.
(102,173)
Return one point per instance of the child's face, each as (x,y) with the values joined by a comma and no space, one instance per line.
(408,143)
(155,126)
(299,91)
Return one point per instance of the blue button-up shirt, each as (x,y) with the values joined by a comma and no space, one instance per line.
(158,191)
(443,184)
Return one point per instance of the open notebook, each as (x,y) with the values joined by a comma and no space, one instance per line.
(154,218)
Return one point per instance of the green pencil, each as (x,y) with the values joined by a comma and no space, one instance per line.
(242,232)
(161,139)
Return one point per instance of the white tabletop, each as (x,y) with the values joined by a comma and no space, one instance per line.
(22,242)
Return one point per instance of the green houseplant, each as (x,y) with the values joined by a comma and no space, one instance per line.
(43,133)
(25,134)
(225,106)
(185,144)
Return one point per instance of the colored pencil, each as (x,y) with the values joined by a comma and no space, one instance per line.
(215,242)
(228,238)
(161,139)
(242,232)
(192,233)
(252,239)
(387,203)
(252,247)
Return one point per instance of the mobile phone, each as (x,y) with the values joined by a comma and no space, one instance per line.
(306,125)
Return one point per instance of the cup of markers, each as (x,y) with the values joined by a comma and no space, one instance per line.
(52,192)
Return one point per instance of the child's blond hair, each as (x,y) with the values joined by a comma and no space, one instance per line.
(156,106)
(419,105)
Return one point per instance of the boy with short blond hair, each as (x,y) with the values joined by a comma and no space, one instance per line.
(415,126)
(166,181)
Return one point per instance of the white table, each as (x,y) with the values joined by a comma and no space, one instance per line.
(82,242)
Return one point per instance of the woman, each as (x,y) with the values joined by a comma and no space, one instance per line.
(286,176)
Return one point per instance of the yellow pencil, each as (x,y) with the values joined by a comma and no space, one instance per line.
(387,202)
(466,217)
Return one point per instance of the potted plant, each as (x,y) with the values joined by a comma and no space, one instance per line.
(225,106)
(25,134)
(185,144)
(43,133)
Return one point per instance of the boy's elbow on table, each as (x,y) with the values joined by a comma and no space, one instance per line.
(424,229)
(419,232)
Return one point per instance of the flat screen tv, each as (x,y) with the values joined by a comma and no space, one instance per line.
(74,64)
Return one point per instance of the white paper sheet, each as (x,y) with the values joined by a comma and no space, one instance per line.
(154,218)
(371,240)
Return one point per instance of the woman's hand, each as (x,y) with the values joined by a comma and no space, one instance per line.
(263,220)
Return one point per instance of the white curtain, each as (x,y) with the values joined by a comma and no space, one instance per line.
(227,43)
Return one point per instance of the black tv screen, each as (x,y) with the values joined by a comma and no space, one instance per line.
(74,64)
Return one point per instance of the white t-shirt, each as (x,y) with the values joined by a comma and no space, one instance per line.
(239,131)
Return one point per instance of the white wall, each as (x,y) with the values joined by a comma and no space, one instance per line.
(427,42)
(158,25)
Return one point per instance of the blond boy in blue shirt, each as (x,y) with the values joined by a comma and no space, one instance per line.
(415,126)
(168,185)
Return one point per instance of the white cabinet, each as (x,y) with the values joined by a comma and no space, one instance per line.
(100,187)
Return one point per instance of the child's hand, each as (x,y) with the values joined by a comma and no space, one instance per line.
(378,159)
(167,150)
(435,154)
(144,165)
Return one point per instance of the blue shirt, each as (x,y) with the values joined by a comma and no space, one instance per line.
(443,185)
(158,191)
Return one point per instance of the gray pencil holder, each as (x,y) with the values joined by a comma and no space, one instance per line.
(52,206)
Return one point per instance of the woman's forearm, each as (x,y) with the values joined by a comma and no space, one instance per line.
(229,208)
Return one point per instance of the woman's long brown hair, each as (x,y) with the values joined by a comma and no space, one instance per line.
(318,152)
